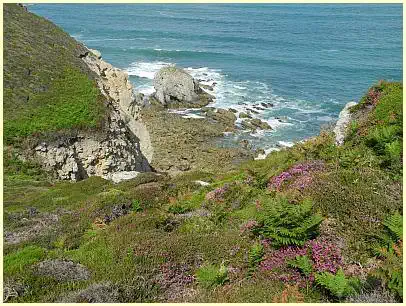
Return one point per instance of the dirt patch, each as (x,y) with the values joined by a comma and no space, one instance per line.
(62,270)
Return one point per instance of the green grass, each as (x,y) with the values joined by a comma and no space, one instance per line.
(73,101)
(47,87)
(16,262)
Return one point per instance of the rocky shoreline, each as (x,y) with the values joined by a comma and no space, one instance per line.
(153,133)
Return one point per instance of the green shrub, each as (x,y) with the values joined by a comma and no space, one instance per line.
(390,251)
(18,261)
(136,206)
(303,263)
(255,256)
(288,224)
(338,285)
(210,275)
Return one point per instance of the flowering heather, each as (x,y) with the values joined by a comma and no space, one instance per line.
(173,274)
(295,172)
(217,194)
(373,96)
(325,255)
(280,258)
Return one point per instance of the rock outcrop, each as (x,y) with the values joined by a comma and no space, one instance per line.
(120,150)
(343,120)
(176,88)
(253,124)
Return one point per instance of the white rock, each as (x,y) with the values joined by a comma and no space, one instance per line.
(202,183)
(117,177)
(343,120)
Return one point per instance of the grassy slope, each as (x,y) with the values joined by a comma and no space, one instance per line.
(47,87)
(359,185)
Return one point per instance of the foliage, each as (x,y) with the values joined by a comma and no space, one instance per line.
(338,285)
(303,263)
(211,275)
(15,263)
(390,251)
(255,256)
(288,224)
(136,206)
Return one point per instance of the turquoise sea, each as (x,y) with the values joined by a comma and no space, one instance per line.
(308,60)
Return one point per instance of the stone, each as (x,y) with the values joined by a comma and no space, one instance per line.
(344,118)
(224,116)
(244,115)
(253,124)
(96,53)
(117,177)
(174,86)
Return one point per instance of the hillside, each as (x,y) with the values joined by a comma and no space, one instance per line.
(316,222)
(156,238)
(47,86)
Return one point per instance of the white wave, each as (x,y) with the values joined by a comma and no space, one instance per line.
(267,151)
(285,143)
(146,69)
(325,118)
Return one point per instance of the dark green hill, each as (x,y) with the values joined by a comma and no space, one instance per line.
(47,87)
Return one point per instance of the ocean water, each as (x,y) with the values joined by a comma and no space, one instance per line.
(307,60)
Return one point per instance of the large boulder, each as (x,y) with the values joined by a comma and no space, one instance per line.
(175,87)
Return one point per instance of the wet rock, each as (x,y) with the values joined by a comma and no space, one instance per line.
(224,116)
(244,115)
(253,124)
(233,110)
(62,270)
(245,144)
(208,87)
(208,109)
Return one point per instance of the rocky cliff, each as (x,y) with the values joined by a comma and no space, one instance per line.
(77,112)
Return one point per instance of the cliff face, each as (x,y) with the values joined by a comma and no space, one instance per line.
(78,112)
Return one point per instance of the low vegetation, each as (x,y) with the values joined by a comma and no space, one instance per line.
(312,223)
